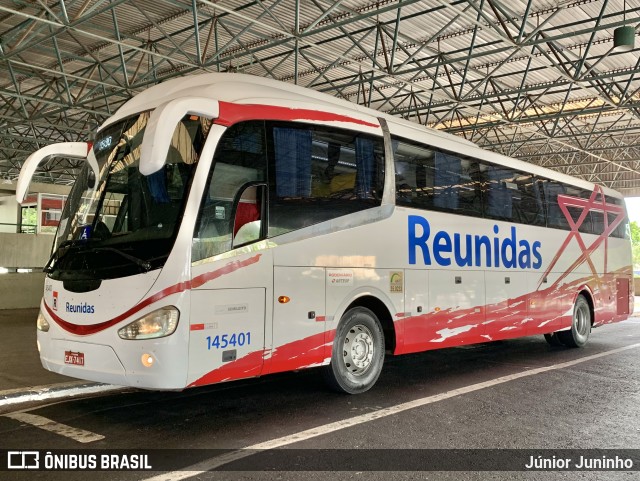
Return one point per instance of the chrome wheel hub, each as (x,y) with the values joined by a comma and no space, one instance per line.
(358,350)
(582,321)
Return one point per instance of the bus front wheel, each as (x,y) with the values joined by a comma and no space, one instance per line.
(358,352)
(578,335)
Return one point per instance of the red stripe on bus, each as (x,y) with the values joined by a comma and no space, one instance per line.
(85,330)
(233,113)
(227,269)
(433,330)
(247,366)
(294,355)
(534,313)
(197,327)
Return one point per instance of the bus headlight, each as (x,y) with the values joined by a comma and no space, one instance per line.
(160,323)
(42,323)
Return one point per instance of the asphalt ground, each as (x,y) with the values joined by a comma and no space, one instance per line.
(20,366)
(509,399)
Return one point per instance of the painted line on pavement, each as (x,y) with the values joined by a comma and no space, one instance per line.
(53,391)
(216,462)
(47,424)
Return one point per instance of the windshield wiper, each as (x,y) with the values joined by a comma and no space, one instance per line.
(61,251)
(146,265)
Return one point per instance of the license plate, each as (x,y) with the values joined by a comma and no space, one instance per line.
(76,358)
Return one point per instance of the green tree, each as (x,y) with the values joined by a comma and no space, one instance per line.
(29,219)
(635,244)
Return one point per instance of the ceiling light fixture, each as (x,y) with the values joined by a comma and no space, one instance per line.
(624,37)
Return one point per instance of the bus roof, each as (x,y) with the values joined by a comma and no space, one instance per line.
(245,89)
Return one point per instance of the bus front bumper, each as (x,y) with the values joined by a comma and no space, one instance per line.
(99,363)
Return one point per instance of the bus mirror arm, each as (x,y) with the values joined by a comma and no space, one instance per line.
(71,150)
(162,124)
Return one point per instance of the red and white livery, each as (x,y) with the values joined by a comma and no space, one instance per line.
(226,227)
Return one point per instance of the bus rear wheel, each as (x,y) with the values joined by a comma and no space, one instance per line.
(578,335)
(358,352)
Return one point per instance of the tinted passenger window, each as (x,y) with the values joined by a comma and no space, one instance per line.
(431,179)
(457,185)
(512,196)
(556,218)
(597,222)
(318,174)
(415,175)
(623,230)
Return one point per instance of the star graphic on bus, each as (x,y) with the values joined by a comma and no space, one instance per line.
(595,203)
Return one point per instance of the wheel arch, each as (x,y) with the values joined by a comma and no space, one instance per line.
(588,295)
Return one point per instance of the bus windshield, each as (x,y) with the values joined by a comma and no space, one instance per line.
(120,222)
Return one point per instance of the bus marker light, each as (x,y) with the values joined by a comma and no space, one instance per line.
(283,299)
(147,360)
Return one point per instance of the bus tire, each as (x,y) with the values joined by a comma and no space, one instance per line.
(358,352)
(552,339)
(578,335)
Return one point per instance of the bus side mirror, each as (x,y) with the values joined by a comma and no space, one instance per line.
(72,150)
(162,124)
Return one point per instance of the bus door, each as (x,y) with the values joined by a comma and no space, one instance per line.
(232,264)
(228,300)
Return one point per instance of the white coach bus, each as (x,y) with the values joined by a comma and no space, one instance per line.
(227,226)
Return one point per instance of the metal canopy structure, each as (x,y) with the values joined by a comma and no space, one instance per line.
(539,80)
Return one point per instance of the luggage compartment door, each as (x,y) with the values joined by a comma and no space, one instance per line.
(226,339)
